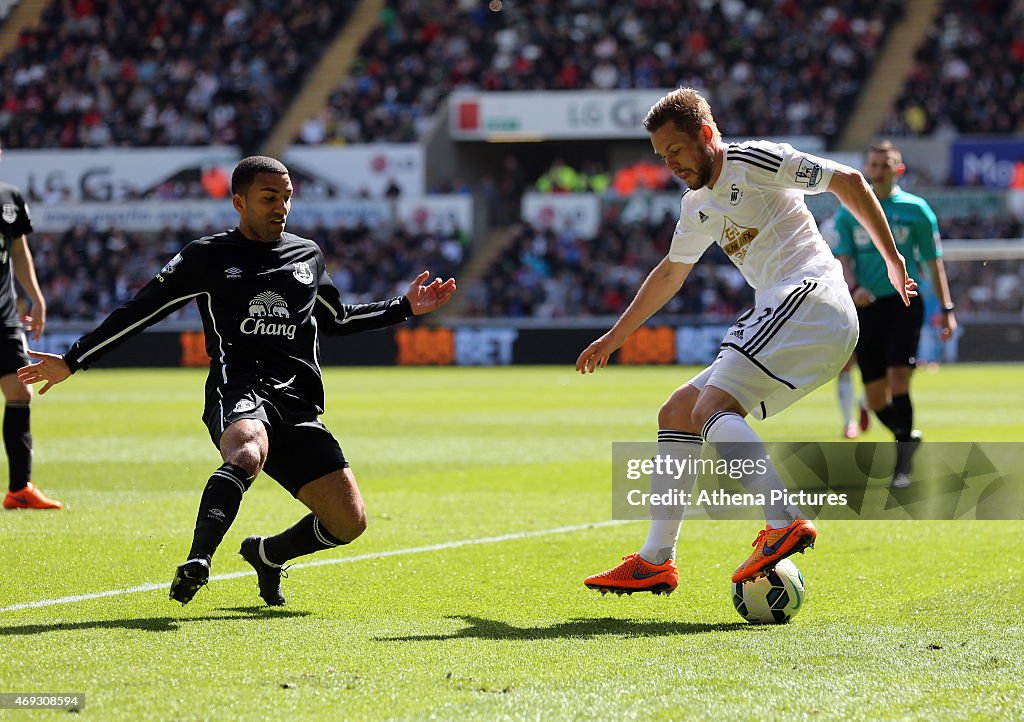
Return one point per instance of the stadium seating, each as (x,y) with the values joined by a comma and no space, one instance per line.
(773,68)
(966,78)
(86,272)
(549,274)
(135,73)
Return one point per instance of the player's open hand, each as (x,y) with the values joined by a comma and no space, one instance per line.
(429,297)
(904,284)
(596,355)
(50,368)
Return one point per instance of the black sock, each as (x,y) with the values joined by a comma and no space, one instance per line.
(903,425)
(18,442)
(308,535)
(218,508)
(902,417)
(886,416)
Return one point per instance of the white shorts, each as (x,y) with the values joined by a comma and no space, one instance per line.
(797,338)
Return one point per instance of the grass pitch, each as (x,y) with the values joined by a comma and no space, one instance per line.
(904,619)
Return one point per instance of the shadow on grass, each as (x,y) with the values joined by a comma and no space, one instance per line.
(152,624)
(480,628)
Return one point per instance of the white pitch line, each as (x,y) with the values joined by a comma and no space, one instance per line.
(324,562)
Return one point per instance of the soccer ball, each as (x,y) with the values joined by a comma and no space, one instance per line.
(772,599)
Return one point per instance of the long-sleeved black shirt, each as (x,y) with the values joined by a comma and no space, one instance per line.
(263,306)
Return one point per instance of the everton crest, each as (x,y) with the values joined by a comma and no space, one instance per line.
(302,272)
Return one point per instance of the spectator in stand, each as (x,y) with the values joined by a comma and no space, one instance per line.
(86,272)
(136,73)
(596,178)
(966,77)
(561,178)
(793,68)
(556,273)
(644,176)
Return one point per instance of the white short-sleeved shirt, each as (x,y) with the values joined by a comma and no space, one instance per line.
(756,213)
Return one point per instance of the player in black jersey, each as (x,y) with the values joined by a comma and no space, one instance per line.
(16,263)
(264,296)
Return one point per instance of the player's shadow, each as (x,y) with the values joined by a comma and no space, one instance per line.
(480,628)
(151,624)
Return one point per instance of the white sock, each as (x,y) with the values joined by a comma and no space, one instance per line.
(732,438)
(665,521)
(846,397)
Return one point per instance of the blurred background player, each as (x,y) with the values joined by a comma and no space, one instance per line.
(848,408)
(16,263)
(889,329)
(844,382)
(749,199)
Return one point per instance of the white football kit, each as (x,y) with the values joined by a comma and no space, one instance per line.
(803,326)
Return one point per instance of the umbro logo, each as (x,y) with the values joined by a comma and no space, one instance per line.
(233,272)
(216,514)
(703,216)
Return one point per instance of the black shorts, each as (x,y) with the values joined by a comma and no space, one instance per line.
(301,447)
(12,350)
(889,334)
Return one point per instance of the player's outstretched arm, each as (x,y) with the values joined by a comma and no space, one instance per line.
(661,284)
(853,191)
(50,368)
(430,297)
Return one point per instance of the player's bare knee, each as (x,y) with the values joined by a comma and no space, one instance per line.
(19,396)
(245,445)
(676,412)
(249,454)
(248,457)
(357,524)
(15,392)
(347,524)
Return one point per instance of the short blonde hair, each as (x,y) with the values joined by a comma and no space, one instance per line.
(685,108)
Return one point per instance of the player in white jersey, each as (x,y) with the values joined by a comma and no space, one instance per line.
(747,198)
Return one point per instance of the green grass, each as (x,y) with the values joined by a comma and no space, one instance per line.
(904,620)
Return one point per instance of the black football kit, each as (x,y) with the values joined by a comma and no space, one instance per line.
(263,306)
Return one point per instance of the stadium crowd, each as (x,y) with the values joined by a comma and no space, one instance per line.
(777,68)
(966,76)
(542,273)
(86,272)
(549,273)
(98,73)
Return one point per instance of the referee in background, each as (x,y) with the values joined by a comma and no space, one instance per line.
(889,330)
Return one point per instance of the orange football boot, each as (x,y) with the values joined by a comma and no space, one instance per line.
(636,575)
(774,545)
(29,498)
